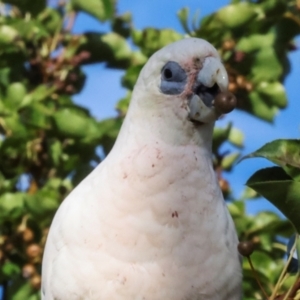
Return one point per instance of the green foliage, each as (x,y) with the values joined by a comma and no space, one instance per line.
(280,185)
(100,9)
(279,188)
(50,142)
(34,7)
(150,40)
(253,39)
(115,51)
(284,153)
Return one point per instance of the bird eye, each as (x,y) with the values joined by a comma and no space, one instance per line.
(168,73)
(173,79)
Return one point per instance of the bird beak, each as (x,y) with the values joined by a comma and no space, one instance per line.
(210,97)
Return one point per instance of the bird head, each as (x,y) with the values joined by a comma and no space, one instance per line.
(191,71)
(183,88)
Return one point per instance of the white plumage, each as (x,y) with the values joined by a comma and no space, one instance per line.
(150,221)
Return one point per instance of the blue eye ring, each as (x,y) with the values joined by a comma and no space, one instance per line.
(173,79)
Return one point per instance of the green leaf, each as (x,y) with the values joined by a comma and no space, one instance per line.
(220,135)
(4,111)
(273,92)
(248,194)
(11,205)
(109,129)
(273,8)
(287,28)
(267,66)
(212,29)
(118,45)
(14,95)
(115,50)
(13,124)
(51,19)
(4,76)
(255,42)
(131,76)
(263,222)
(265,266)
(55,151)
(261,58)
(7,35)
(7,185)
(122,24)
(279,188)
(241,223)
(229,160)
(150,39)
(284,153)
(74,123)
(30,30)
(230,134)
(100,9)
(20,289)
(138,58)
(36,115)
(236,137)
(36,296)
(237,208)
(237,15)
(123,104)
(10,269)
(40,93)
(183,15)
(31,6)
(12,153)
(260,108)
(43,204)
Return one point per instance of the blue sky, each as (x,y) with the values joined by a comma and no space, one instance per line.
(103,88)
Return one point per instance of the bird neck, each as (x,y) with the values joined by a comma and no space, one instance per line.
(160,126)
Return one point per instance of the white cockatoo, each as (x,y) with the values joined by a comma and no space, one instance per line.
(150,222)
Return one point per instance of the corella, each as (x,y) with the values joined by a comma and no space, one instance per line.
(150,222)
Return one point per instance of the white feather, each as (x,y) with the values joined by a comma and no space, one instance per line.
(150,221)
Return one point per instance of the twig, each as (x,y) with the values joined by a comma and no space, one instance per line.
(284,270)
(293,288)
(256,278)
